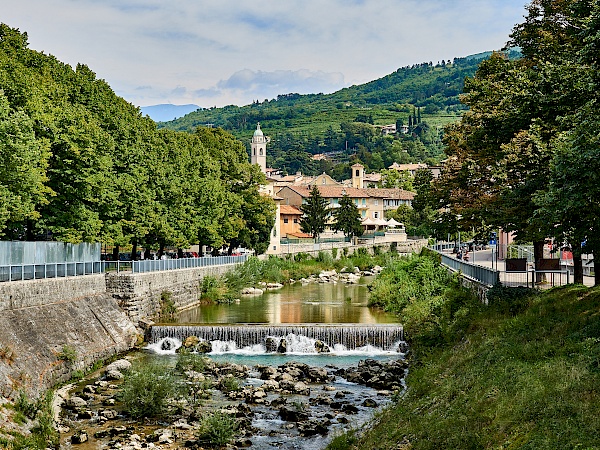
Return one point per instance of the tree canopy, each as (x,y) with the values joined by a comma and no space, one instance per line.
(80,164)
(522,156)
(315,213)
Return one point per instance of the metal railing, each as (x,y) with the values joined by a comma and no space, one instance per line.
(482,274)
(22,272)
(158,265)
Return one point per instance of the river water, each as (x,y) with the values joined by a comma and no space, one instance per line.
(336,314)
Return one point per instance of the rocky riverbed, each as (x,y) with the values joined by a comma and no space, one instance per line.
(289,406)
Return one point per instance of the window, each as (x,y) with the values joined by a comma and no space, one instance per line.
(254,151)
(261,151)
(324,181)
(295,220)
(364,202)
(376,215)
(357,173)
(363,214)
(286,220)
(376,202)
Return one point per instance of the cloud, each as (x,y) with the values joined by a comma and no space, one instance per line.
(301,81)
(234,51)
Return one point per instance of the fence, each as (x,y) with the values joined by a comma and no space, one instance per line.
(34,271)
(157,265)
(21,260)
(484,275)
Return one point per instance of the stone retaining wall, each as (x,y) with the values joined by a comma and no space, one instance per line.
(409,246)
(139,294)
(33,339)
(31,293)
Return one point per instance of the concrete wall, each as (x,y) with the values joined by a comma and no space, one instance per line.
(139,294)
(32,337)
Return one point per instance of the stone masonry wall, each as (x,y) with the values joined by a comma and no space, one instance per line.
(31,293)
(33,338)
(139,294)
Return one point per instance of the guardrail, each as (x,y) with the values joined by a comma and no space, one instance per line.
(484,275)
(158,265)
(24,272)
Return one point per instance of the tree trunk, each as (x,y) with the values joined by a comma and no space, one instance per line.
(596,270)
(134,251)
(115,256)
(578,268)
(161,250)
(180,253)
(538,254)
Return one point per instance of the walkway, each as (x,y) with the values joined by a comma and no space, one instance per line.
(487,258)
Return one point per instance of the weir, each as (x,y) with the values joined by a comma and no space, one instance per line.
(351,336)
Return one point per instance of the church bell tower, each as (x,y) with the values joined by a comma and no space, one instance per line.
(258,150)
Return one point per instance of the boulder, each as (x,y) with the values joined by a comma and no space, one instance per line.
(321,347)
(204,347)
(76,402)
(191,341)
(271,344)
(79,437)
(301,388)
(282,348)
(292,414)
(122,365)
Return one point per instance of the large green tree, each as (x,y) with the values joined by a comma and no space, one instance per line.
(500,153)
(347,218)
(315,214)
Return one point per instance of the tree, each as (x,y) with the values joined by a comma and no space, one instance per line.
(347,218)
(391,178)
(503,151)
(315,213)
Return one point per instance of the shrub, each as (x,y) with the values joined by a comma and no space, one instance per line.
(334,253)
(167,307)
(68,354)
(190,361)
(217,429)
(229,384)
(146,390)
(509,300)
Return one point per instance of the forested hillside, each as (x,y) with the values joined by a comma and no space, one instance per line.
(424,97)
(78,163)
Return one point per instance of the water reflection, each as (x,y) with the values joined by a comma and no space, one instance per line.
(312,303)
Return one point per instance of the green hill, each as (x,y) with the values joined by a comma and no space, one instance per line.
(318,123)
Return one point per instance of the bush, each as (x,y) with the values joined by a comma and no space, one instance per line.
(68,354)
(190,361)
(509,300)
(167,307)
(216,429)
(146,390)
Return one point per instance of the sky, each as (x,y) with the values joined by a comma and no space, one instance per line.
(222,52)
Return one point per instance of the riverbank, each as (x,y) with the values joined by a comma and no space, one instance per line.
(521,373)
(18,418)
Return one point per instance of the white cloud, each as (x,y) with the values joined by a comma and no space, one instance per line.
(234,51)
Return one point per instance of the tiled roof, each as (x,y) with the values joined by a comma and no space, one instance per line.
(399,194)
(288,209)
(331,191)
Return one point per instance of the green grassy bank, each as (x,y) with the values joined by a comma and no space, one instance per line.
(523,372)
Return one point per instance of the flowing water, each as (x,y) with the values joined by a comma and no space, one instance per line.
(302,315)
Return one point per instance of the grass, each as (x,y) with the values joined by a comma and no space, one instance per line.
(526,377)
(146,391)
(216,429)
(281,270)
(42,436)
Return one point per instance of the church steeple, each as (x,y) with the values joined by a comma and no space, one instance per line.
(258,149)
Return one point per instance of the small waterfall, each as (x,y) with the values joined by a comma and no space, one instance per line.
(347,336)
